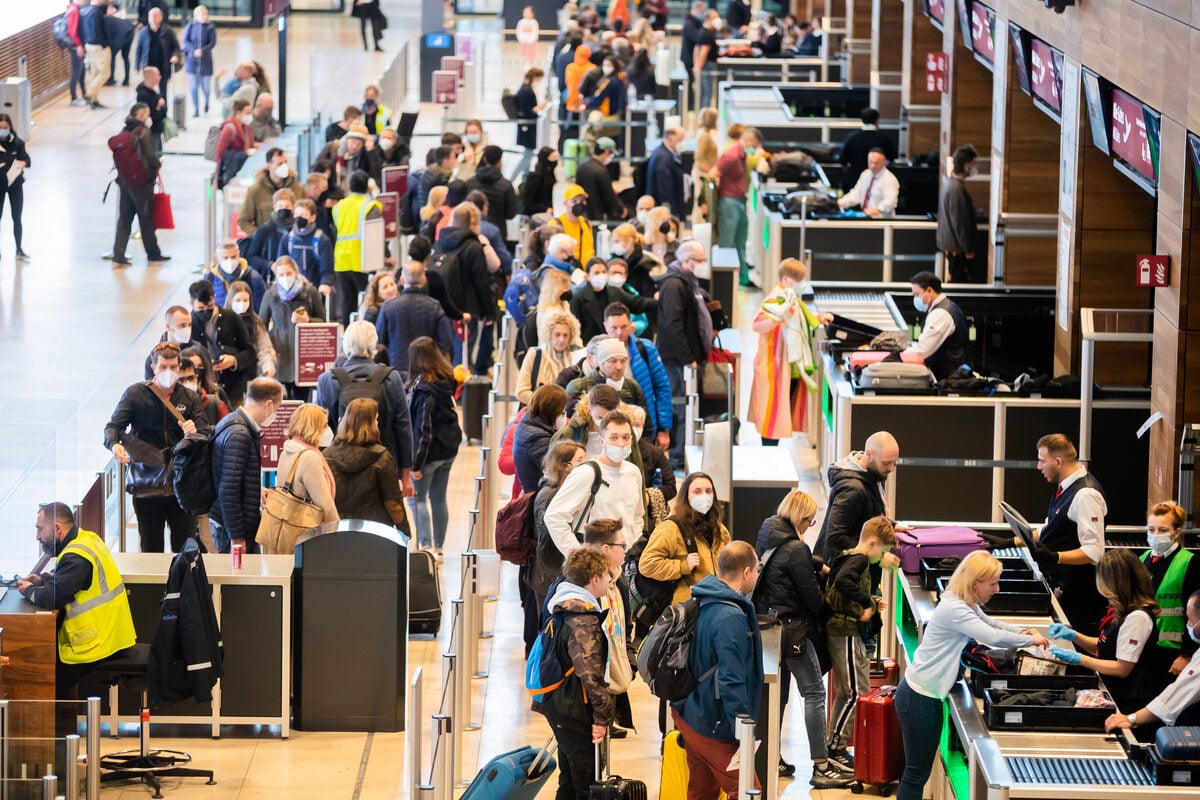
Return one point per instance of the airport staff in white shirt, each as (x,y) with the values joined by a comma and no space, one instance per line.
(877,190)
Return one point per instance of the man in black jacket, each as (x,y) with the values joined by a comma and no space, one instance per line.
(225,338)
(147,93)
(147,423)
(137,197)
(501,197)
(596,182)
(664,173)
(856,493)
(692,24)
(859,145)
(460,258)
(684,332)
(158,47)
(237,467)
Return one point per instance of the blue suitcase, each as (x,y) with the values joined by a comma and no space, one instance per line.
(516,775)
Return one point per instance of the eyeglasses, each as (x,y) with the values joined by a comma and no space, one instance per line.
(621,545)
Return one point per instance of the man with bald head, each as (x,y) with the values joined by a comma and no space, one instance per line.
(664,173)
(411,315)
(157,46)
(856,493)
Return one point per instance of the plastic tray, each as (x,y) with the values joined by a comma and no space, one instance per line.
(1014,597)
(1041,718)
(1014,569)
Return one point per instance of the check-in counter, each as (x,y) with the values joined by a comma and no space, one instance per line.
(792,116)
(960,456)
(801,69)
(760,477)
(256,631)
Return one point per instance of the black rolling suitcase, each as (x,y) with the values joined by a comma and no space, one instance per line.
(614,787)
(424,593)
(179,111)
(474,398)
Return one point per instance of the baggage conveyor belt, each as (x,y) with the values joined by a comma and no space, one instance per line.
(1078,771)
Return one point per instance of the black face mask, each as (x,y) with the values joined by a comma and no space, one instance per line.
(283,217)
(203,316)
(665,228)
(303,224)
(580,209)
(566,296)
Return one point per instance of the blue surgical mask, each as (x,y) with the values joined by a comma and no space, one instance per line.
(750,150)
(919,304)
(1192,633)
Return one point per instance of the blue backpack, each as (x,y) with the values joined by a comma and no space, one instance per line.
(544,669)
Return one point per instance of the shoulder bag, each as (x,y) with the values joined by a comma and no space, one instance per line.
(286,516)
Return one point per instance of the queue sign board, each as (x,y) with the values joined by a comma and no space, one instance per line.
(316,349)
(271,437)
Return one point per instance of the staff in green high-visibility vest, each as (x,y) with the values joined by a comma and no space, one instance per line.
(1175,574)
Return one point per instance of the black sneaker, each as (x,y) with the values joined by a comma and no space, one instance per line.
(840,767)
(120,263)
(786,770)
(842,757)
(826,777)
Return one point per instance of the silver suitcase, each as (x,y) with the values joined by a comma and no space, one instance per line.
(179,111)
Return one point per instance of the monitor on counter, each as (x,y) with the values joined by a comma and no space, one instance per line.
(1098,95)
(1020,527)
(1020,54)
(983,25)
(1045,78)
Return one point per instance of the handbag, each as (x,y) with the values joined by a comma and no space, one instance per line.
(164,220)
(718,373)
(170,129)
(150,471)
(286,516)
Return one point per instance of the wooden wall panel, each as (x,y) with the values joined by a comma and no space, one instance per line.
(1030,262)
(48,67)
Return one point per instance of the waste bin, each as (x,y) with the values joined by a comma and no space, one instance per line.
(350,650)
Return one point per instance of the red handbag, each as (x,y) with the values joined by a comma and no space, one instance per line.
(164,219)
(719,372)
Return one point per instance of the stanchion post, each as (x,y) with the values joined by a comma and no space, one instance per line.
(49,787)
(693,405)
(475,631)
(93,748)
(71,768)
(413,738)
(745,735)
(443,774)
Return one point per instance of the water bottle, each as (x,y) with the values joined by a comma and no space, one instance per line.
(656,483)
(603,242)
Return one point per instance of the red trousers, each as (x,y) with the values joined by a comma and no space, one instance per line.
(708,763)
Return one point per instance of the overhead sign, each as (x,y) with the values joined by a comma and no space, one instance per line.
(271,437)
(1153,271)
(445,87)
(1045,74)
(983,21)
(316,348)
(935,72)
(1130,139)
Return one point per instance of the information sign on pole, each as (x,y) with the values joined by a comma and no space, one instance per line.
(316,348)
(456,65)
(395,179)
(445,87)
(271,437)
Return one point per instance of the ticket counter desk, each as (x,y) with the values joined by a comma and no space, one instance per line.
(254,611)
(975,763)
(27,682)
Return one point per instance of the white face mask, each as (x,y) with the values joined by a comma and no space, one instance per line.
(247,119)
(326,438)
(701,503)
(561,422)
(607,69)
(147,122)
(229,265)
(192,384)
(637,433)
(266,423)
(286,283)
(166,379)
(598,282)
(387,144)
(642,215)
(619,249)
(182,335)
(282,172)
(618,385)
(616,281)
(1160,543)
(240,306)
(617,452)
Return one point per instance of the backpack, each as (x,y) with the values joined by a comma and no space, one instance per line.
(194,487)
(516,538)
(409,217)
(370,387)
(662,659)
(62,35)
(649,597)
(130,167)
(446,265)
(210,143)
(544,668)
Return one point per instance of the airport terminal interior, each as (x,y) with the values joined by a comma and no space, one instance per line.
(1065,287)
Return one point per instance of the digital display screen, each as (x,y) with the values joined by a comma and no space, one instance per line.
(936,10)
(1096,111)
(983,23)
(437,41)
(1045,74)
(964,22)
(1133,140)
(1020,57)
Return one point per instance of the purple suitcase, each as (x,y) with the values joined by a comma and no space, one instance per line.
(952,540)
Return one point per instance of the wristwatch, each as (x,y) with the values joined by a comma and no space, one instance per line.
(1132,720)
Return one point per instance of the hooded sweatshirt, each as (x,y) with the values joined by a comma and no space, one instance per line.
(367,481)
(575,73)
(436,434)
(855,495)
(727,637)
(584,643)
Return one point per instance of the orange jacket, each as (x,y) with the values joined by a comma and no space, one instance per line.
(574,74)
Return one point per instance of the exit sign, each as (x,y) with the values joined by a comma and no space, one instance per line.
(1153,271)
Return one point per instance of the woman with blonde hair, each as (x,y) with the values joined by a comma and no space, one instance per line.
(644,268)
(706,158)
(436,199)
(308,431)
(957,620)
(791,592)
(1125,652)
(557,332)
(364,473)
(555,285)
(784,362)
(660,241)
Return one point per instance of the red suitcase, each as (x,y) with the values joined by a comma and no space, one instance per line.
(884,672)
(879,747)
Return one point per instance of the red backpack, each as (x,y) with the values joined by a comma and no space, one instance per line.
(130,167)
(516,539)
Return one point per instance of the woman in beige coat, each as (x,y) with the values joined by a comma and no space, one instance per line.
(696,518)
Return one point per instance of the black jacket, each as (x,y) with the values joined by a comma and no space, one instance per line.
(789,585)
(394,426)
(531,441)
(537,192)
(853,499)
(185,657)
(526,101)
(642,265)
(368,161)
(664,180)
(268,243)
(679,338)
(502,198)
(588,307)
(435,430)
(467,279)
(653,457)
(12,150)
(603,202)
(366,482)
(227,337)
(237,476)
(144,426)
(144,94)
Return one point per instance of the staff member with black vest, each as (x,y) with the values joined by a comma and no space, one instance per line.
(1071,542)
(944,343)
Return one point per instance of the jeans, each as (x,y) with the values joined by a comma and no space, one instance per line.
(221,540)
(707,75)
(16,198)
(435,476)
(851,676)
(76,74)
(153,515)
(921,720)
(807,672)
(199,84)
(136,201)
(678,411)
(733,228)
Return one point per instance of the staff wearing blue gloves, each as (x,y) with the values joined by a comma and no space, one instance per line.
(957,619)
(1125,651)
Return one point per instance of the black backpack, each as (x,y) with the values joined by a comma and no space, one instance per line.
(193,483)
(649,597)
(62,34)
(354,388)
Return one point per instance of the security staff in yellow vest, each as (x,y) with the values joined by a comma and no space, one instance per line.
(87,588)
(348,216)
(1175,575)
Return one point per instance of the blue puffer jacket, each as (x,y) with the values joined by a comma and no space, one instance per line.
(651,375)
(531,441)
(237,477)
(726,637)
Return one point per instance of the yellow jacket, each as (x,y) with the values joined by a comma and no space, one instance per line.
(665,558)
(97,623)
(348,217)
(581,232)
